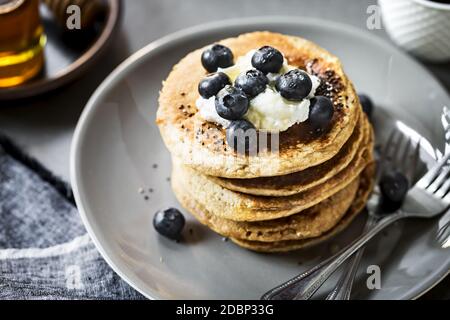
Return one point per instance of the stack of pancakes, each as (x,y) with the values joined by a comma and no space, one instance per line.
(307,191)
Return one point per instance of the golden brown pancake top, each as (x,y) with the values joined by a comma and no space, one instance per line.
(202,144)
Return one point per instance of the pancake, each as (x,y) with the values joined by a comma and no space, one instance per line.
(312,222)
(202,145)
(243,207)
(301,181)
(365,188)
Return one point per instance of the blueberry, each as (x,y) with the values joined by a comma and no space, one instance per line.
(294,85)
(169,223)
(393,186)
(268,60)
(231,103)
(212,84)
(241,136)
(320,114)
(218,56)
(252,82)
(366,104)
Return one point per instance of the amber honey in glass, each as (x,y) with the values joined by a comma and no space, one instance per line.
(22,41)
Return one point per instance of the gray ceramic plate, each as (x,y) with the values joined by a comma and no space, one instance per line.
(117,149)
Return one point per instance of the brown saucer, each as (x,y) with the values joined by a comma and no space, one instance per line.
(67,56)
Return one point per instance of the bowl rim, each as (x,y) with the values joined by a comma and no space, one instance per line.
(433,5)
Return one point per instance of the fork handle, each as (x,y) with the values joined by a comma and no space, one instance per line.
(343,289)
(303,286)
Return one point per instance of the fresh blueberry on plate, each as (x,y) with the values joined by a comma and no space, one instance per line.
(320,114)
(294,85)
(242,136)
(267,60)
(218,56)
(169,223)
(252,82)
(393,186)
(366,104)
(231,103)
(212,84)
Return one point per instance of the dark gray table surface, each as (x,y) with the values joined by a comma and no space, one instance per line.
(43,126)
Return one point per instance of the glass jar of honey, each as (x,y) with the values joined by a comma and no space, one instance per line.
(22,41)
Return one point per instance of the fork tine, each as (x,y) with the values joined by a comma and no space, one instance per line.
(441,178)
(397,156)
(446,113)
(445,119)
(406,150)
(443,190)
(385,154)
(443,236)
(429,177)
(389,143)
(443,230)
(446,198)
(405,155)
(412,168)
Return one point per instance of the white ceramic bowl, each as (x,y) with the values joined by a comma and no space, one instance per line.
(421,27)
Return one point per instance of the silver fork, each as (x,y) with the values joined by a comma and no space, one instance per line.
(443,234)
(428,198)
(445,119)
(391,154)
